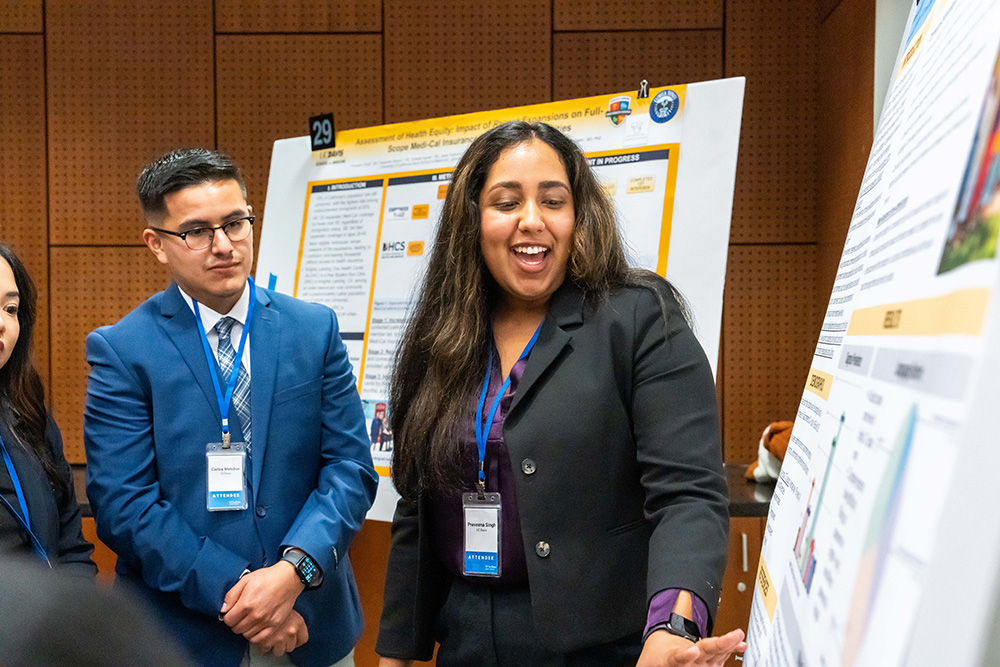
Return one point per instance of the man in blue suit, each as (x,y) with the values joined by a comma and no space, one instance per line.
(228,460)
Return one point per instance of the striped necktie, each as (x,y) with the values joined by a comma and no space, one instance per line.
(241,394)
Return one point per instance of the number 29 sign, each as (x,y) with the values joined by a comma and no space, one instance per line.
(321,132)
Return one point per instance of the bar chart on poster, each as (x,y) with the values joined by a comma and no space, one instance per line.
(883,424)
(352,226)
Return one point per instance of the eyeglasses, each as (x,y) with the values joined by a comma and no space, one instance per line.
(200,238)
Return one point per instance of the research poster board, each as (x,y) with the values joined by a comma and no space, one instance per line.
(351,227)
(889,415)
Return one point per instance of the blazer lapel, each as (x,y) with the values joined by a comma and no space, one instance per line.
(182,329)
(265,341)
(565,311)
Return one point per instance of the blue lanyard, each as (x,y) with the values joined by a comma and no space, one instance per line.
(482,430)
(24,519)
(224,400)
(17,485)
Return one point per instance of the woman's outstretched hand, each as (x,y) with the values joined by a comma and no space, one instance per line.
(663,649)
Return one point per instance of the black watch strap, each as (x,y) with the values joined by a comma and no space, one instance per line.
(307,569)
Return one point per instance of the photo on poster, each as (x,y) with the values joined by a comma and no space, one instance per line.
(974,229)
(377,421)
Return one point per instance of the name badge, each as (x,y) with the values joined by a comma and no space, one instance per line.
(482,534)
(227,487)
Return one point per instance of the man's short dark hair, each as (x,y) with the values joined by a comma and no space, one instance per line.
(181,169)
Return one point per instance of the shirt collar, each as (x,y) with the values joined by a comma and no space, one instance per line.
(209,318)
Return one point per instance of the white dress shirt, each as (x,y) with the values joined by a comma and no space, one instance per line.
(209,318)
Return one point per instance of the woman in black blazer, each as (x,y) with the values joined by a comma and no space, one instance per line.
(39,515)
(544,387)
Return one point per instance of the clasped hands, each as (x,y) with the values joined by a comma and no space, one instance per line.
(259,607)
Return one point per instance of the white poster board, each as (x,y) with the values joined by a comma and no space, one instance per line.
(350,227)
(883,428)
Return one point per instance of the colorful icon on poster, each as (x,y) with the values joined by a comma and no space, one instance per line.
(618,108)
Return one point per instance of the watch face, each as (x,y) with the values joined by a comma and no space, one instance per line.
(307,569)
(682,627)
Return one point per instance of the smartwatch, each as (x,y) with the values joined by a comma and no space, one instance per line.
(305,567)
(680,626)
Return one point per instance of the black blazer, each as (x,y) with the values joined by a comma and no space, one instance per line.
(55,515)
(617,412)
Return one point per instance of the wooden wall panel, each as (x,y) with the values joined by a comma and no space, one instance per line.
(370,558)
(770,325)
(825,7)
(20,15)
(91,287)
(773,44)
(298,16)
(124,87)
(23,211)
(446,57)
(636,15)
(591,63)
(846,92)
(103,556)
(269,86)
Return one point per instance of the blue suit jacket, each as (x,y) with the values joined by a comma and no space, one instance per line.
(151,409)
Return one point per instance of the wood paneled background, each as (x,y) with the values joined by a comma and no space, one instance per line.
(90,90)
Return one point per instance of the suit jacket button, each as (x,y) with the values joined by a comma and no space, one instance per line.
(528,467)
(542,549)
(261,512)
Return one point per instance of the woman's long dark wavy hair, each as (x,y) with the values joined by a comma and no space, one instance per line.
(444,350)
(22,397)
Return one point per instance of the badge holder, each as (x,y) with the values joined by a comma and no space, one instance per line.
(481,513)
(227,487)
(226,461)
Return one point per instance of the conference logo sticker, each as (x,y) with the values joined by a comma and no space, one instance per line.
(391,249)
(664,106)
(397,249)
(618,109)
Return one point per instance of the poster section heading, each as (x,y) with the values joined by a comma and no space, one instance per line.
(585,119)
